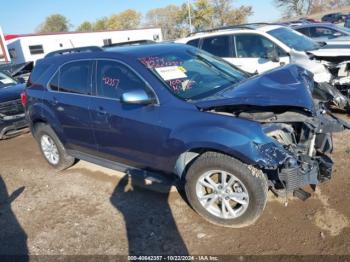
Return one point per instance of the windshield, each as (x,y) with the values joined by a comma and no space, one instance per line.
(6,80)
(193,74)
(294,39)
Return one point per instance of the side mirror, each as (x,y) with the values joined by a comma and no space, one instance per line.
(272,55)
(137,97)
(337,34)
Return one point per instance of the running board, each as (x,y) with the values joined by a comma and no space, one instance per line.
(166,180)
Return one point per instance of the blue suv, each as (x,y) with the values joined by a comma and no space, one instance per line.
(227,136)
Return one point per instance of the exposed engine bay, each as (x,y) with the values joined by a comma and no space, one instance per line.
(307,139)
(339,68)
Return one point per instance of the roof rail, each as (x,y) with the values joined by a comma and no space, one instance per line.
(74,50)
(137,42)
(241,26)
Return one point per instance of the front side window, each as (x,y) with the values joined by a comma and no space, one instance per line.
(293,39)
(75,77)
(217,45)
(114,79)
(193,74)
(255,46)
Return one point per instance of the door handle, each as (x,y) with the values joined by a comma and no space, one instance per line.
(101,111)
(54,101)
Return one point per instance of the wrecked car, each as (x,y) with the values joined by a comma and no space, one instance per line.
(12,118)
(225,136)
(257,48)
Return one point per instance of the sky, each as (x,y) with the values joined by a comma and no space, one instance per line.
(24,16)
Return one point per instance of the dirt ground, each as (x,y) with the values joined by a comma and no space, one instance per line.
(91,210)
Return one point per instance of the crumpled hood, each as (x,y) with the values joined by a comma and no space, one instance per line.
(10,93)
(284,86)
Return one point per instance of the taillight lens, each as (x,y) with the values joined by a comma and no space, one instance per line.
(24,98)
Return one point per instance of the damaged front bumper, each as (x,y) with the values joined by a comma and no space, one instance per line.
(304,163)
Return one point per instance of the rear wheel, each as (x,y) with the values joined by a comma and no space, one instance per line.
(225,191)
(52,148)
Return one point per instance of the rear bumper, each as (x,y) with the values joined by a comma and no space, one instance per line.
(12,127)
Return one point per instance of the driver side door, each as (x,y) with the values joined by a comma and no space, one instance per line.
(125,133)
(252,53)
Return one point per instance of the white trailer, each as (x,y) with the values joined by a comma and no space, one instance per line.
(31,47)
(4,55)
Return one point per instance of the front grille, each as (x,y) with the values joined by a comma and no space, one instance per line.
(11,108)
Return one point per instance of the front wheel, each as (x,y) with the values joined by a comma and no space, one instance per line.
(225,191)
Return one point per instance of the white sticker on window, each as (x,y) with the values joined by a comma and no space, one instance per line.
(171,72)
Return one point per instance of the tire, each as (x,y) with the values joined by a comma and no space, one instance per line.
(44,132)
(250,189)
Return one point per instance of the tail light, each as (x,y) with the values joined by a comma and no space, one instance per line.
(24,98)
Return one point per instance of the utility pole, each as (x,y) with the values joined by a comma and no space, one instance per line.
(189,15)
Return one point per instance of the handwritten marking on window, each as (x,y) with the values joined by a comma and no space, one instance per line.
(109,81)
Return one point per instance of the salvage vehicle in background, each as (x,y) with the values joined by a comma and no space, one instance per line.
(226,135)
(12,117)
(324,32)
(257,48)
(334,18)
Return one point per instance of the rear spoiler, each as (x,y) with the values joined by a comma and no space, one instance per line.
(74,50)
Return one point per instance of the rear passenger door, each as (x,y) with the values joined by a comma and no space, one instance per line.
(220,46)
(71,99)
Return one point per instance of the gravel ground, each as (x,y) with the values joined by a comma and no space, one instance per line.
(92,210)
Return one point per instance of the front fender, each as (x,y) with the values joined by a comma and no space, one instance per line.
(239,138)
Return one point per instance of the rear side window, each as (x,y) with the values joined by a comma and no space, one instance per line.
(113,79)
(304,31)
(76,78)
(217,45)
(194,42)
(54,82)
(38,73)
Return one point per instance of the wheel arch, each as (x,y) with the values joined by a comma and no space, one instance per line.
(186,159)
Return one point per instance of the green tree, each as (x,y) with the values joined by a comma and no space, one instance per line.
(171,19)
(54,23)
(100,24)
(292,8)
(128,19)
(85,27)
(226,14)
(203,14)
